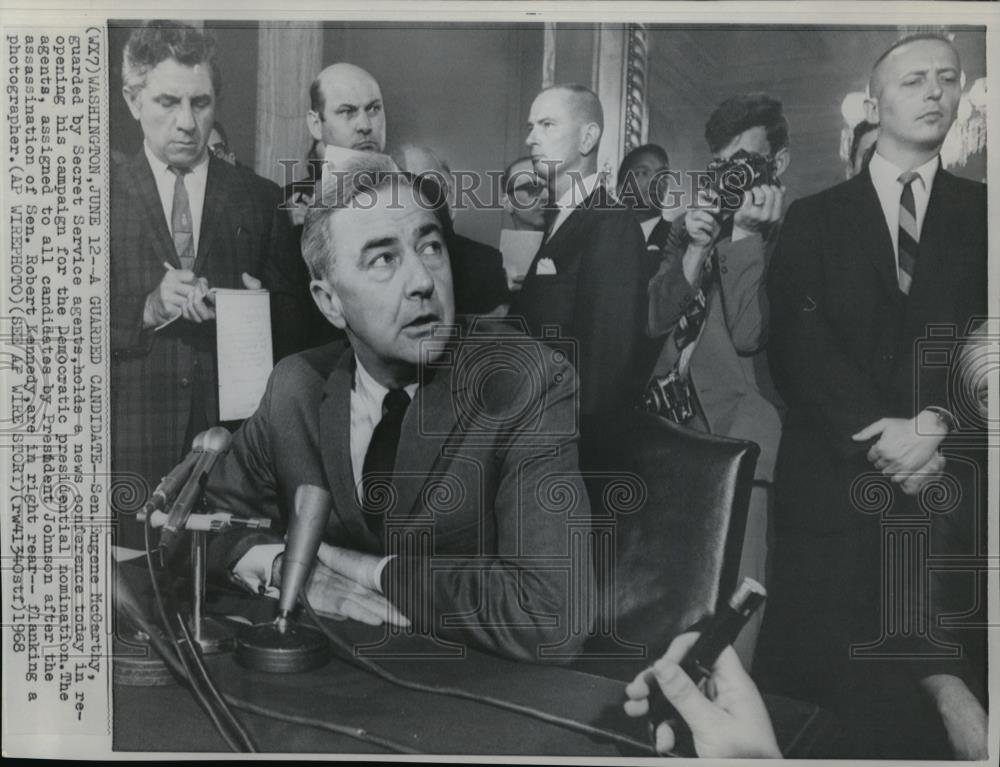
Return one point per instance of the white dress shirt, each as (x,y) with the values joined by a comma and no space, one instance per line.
(572,199)
(885,179)
(254,568)
(194,182)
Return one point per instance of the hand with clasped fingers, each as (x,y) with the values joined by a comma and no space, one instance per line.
(906,449)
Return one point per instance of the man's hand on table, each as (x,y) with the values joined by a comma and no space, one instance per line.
(728,720)
(344,584)
(336,596)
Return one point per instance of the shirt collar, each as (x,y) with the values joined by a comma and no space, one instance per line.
(159,167)
(571,199)
(371,390)
(885,174)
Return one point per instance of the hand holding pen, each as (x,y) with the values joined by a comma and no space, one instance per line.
(181,293)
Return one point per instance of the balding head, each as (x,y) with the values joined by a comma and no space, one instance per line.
(564,131)
(346,109)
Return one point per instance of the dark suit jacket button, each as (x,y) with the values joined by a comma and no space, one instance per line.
(722,259)
(724,270)
(185,382)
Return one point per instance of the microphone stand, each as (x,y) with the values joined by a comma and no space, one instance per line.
(210,634)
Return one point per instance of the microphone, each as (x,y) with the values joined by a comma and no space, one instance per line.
(166,491)
(215,442)
(282,645)
(305,530)
(210,523)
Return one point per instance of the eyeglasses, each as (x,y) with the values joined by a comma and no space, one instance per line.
(529,189)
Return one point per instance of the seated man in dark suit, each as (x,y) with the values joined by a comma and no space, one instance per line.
(182,222)
(439,506)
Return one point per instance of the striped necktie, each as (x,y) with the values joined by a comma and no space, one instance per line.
(909,235)
(181,227)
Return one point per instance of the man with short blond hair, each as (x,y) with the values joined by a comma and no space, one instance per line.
(863,275)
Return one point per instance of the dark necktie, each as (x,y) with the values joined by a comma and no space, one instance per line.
(181,228)
(380,460)
(909,236)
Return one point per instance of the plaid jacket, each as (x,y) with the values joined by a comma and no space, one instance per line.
(156,376)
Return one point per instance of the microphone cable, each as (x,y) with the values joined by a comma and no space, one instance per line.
(457,692)
(168,653)
(238,740)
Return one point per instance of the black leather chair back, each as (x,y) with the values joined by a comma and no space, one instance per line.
(668,508)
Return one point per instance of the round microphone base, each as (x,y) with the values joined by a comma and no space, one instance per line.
(281,647)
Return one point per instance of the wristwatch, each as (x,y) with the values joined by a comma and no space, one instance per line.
(944,417)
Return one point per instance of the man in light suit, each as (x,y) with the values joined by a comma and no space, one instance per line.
(465,468)
(707,303)
(587,280)
(861,274)
(182,222)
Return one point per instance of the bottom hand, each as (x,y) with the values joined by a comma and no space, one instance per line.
(912,484)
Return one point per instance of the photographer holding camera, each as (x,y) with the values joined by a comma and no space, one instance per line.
(707,302)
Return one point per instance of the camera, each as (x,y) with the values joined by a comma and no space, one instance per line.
(500,377)
(731,179)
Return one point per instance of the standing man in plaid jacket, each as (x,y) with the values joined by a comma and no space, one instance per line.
(182,223)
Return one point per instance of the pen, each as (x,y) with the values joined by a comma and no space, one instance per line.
(169,267)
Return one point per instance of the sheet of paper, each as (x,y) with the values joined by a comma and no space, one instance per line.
(243,343)
(518,248)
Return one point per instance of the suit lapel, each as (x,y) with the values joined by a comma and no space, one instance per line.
(941,213)
(335,447)
(570,226)
(149,201)
(868,219)
(429,422)
(931,279)
(214,214)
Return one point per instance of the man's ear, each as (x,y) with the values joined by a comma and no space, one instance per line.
(590,137)
(132,96)
(328,302)
(314,123)
(871,110)
(781,160)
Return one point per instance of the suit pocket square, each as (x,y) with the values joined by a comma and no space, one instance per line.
(545,266)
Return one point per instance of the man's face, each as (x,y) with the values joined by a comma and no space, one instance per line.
(915,94)
(353,117)
(176,109)
(644,172)
(554,134)
(390,282)
(525,196)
